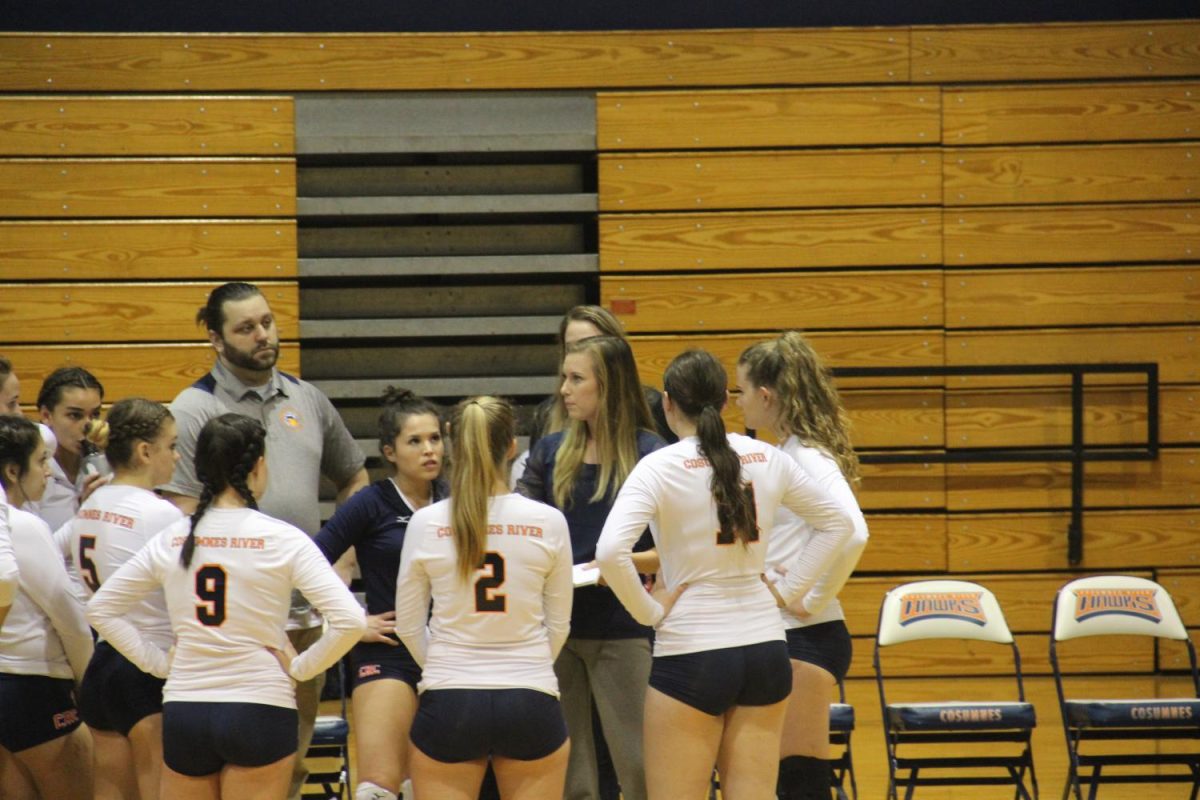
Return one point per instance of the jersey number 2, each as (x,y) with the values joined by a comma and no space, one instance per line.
(485,600)
(210,588)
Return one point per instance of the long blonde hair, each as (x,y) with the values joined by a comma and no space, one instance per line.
(620,413)
(602,320)
(481,431)
(810,408)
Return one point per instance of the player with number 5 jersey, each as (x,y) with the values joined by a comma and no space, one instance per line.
(227,573)
(497,567)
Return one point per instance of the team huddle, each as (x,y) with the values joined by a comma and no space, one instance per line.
(638,599)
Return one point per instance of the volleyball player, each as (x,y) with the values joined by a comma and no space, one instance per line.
(579,470)
(69,404)
(783,387)
(45,644)
(497,567)
(229,704)
(720,677)
(121,704)
(384,675)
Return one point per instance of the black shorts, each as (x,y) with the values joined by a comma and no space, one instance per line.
(373,661)
(827,645)
(35,710)
(715,681)
(455,725)
(115,694)
(201,738)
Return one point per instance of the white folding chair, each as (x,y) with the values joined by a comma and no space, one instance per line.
(918,733)
(1121,605)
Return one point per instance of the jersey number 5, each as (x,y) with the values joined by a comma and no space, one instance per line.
(210,588)
(485,600)
(87,567)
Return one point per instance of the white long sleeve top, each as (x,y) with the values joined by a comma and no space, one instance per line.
(727,603)
(8,562)
(45,633)
(228,607)
(504,627)
(793,534)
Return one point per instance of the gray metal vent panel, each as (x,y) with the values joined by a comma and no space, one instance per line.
(429,122)
(429,326)
(524,385)
(569,263)
(451,204)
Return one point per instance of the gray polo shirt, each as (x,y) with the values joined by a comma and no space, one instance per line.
(306,439)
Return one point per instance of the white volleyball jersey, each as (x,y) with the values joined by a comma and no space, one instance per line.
(110,527)
(228,607)
(8,561)
(726,604)
(45,633)
(505,626)
(792,534)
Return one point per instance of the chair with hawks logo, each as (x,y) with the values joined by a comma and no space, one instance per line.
(956,741)
(1120,605)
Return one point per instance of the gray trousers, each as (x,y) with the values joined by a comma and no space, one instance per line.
(308,700)
(613,673)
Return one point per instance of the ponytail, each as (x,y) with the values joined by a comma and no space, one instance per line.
(481,429)
(696,383)
(227,449)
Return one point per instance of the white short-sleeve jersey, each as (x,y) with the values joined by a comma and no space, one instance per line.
(792,534)
(8,561)
(110,527)
(505,626)
(726,603)
(228,608)
(45,633)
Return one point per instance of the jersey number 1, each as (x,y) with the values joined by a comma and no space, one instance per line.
(728,538)
(210,588)
(485,600)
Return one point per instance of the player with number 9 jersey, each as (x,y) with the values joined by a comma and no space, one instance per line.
(227,574)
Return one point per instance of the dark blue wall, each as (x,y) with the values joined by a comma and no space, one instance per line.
(548,15)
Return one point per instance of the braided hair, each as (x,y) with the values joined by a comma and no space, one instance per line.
(50,395)
(696,384)
(227,449)
(130,421)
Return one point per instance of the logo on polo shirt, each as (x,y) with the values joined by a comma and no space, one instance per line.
(1140,603)
(291,418)
(965,606)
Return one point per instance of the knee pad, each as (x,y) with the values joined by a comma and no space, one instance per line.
(370,791)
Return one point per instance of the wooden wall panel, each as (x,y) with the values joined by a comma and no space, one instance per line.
(1184,587)
(121,312)
(770,239)
(1172,480)
(1087,112)
(894,487)
(1175,348)
(1072,174)
(1072,234)
(871,115)
(32,188)
(895,418)
(340,62)
(1056,52)
(1058,296)
(146,126)
(154,371)
(904,543)
(1042,417)
(148,249)
(837,349)
(775,301)
(766,179)
(1113,540)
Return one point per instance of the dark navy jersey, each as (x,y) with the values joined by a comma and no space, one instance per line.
(374,522)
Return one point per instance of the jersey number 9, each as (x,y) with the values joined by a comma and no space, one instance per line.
(210,588)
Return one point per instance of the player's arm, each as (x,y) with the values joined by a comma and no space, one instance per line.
(633,510)
(826,516)
(137,577)
(413,593)
(559,590)
(344,617)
